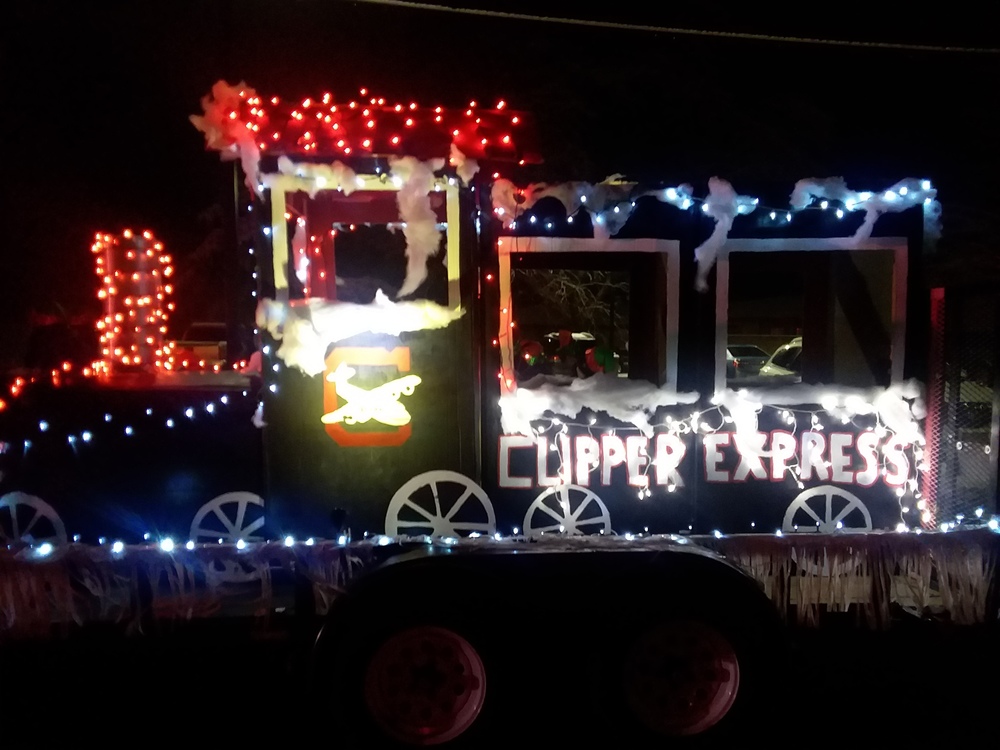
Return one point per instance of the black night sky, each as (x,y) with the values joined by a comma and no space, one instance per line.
(96,100)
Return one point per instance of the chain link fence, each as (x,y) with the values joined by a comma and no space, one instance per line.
(964,403)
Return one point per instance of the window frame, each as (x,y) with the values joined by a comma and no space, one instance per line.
(279,185)
(900,260)
(508,245)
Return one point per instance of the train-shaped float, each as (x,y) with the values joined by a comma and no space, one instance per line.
(444,352)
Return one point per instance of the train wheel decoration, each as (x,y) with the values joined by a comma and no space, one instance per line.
(826,509)
(29,519)
(225,517)
(567,509)
(440,503)
(231,517)
(425,686)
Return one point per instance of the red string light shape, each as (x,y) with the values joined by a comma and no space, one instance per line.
(365,126)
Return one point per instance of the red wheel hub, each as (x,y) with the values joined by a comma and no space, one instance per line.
(425,685)
(681,678)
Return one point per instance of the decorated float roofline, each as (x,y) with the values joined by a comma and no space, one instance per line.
(524,210)
(235,116)
(603,210)
(240,123)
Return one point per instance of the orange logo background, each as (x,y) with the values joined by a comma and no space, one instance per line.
(363,355)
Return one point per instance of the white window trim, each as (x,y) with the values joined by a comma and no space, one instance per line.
(897,245)
(517,245)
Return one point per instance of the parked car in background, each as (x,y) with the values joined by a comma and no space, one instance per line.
(785,363)
(743,360)
(203,345)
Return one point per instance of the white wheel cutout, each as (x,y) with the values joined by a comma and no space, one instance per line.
(822,508)
(440,503)
(567,509)
(29,519)
(230,517)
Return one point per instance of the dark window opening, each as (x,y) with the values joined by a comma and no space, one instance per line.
(581,313)
(815,317)
(348,248)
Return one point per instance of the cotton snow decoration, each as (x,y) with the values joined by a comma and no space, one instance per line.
(316,177)
(599,200)
(679,196)
(503,195)
(722,204)
(901,196)
(899,408)
(630,401)
(423,238)
(300,253)
(306,328)
(465,167)
(229,136)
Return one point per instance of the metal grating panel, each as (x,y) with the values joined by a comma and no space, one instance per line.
(963,399)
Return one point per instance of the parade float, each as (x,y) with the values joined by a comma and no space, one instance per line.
(453,356)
